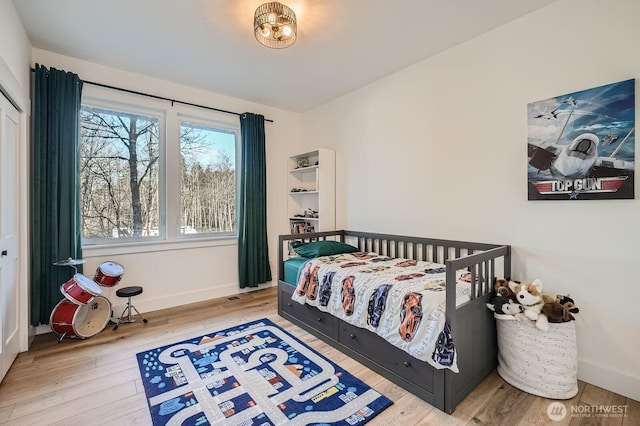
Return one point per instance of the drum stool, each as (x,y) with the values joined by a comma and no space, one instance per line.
(128,292)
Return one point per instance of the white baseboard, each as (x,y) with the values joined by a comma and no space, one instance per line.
(169,301)
(42,329)
(612,380)
(172,300)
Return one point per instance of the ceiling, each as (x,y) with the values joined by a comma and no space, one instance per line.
(209,44)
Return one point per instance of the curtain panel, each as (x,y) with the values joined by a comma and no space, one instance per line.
(253,251)
(54,187)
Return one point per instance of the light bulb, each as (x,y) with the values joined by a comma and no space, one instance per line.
(265,31)
(286,30)
(271,18)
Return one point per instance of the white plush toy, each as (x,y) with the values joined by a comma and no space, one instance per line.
(531,298)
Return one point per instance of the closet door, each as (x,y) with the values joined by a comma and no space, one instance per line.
(9,297)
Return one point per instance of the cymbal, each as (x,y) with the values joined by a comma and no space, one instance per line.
(69,262)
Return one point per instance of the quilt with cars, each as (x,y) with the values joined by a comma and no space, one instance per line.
(401,300)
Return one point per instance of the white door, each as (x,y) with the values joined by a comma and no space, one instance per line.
(9,297)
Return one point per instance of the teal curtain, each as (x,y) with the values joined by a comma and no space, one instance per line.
(253,252)
(54,186)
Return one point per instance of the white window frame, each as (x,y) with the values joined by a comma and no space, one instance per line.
(169,186)
(215,124)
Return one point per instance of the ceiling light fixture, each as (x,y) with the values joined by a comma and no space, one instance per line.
(275,26)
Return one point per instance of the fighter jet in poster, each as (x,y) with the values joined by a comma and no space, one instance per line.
(582,161)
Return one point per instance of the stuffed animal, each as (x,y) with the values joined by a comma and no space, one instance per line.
(556,313)
(504,308)
(501,288)
(530,296)
(568,303)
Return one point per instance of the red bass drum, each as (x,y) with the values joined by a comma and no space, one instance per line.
(81,321)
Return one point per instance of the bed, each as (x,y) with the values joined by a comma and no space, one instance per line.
(469,322)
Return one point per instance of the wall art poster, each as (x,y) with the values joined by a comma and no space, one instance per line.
(581,146)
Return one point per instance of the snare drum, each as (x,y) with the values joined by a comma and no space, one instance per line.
(109,274)
(80,289)
(81,321)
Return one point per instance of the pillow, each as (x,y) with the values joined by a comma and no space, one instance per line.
(324,248)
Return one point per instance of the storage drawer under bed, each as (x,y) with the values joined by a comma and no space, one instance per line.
(381,352)
(322,322)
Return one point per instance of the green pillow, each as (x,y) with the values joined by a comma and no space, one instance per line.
(324,248)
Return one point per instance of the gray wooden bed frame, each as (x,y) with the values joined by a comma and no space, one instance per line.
(472,324)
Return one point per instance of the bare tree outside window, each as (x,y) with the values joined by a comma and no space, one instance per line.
(119,173)
(208,179)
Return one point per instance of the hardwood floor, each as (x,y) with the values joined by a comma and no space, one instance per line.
(96,381)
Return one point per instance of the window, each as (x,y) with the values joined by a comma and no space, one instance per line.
(208,179)
(119,174)
(155,172)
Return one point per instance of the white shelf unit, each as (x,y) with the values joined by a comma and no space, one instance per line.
(312,185)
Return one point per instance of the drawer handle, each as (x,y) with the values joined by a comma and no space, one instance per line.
(407,364)
(353,336)
(319,319)
(289,304)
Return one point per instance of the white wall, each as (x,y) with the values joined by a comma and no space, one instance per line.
(439,149)
(174,274)
(15,52)
(15,55)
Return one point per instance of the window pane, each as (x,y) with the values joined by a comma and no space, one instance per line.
(208,179)
(119,174)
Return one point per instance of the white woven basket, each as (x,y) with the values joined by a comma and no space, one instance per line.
(543,363)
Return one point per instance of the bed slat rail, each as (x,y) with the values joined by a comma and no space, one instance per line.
(482,267)
(425,249)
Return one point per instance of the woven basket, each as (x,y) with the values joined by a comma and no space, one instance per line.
(543,363)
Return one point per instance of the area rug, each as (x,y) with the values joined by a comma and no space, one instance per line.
(252,374)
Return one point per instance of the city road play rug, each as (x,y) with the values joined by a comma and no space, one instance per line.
(252,374)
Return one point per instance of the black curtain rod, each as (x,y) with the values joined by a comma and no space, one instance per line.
(162,98)
(165,99)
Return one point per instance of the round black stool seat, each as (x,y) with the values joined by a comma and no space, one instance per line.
(129,291)
(127,315)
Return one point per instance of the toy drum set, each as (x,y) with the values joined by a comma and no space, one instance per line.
(84,312)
